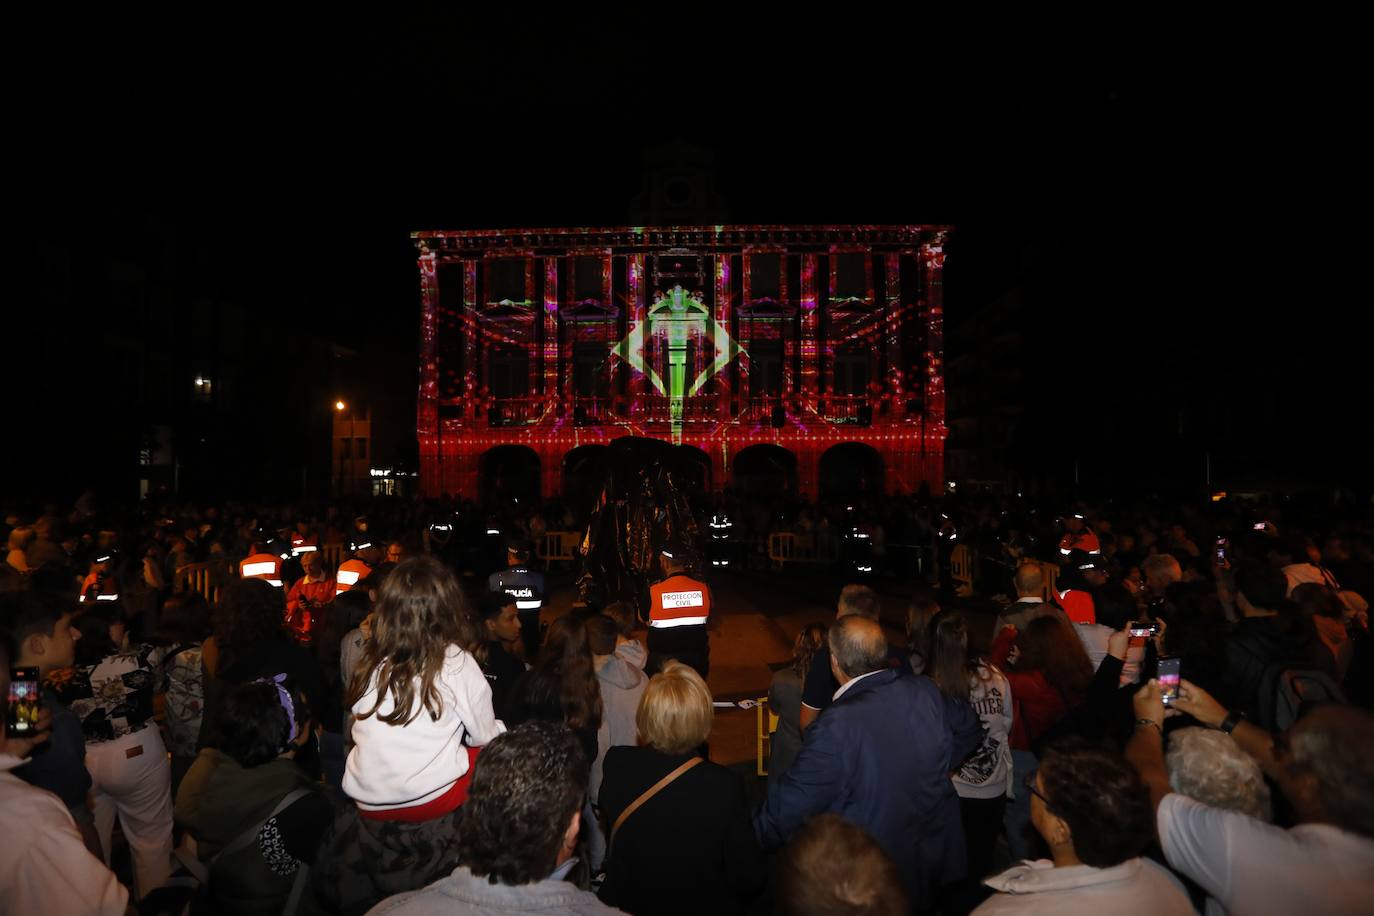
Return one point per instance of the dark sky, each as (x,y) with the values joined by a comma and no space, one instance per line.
(1174,196)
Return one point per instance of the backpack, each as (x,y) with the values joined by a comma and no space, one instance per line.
(1288,690)
(192,883)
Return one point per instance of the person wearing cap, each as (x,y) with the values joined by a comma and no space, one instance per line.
(525,584)
(679,609)
(1078,536)
(1073,589)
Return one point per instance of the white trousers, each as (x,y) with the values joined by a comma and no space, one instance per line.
(138,788)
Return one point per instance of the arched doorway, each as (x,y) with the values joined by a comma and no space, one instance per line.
(851,472)
(696,467)
(509,473)
(584,473)
(765,472)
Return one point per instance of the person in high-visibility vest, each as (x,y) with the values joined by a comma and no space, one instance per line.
(350,573)
(679,610)
(1078,536)
(303,540)
(100,584)
(525,584)
(309,596)
(362,545)
(262,563)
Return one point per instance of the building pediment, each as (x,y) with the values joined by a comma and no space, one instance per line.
(590,310)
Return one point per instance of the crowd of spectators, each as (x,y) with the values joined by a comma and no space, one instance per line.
(1126,708)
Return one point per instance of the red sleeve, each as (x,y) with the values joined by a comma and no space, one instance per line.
(1001,647)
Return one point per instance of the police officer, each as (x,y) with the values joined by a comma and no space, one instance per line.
(526,585)
(679,609)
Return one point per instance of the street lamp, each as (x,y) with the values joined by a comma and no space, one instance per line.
(345,477)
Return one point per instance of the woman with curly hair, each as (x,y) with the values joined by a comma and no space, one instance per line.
(784,701)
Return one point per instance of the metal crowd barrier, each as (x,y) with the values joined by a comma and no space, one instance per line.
(206,578)
(557,546)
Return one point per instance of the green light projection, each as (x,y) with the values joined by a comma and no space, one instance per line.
(674,319)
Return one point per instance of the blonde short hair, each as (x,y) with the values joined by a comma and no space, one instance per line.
(675,713)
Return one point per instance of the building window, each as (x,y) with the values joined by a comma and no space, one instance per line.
(508,372)
(589,371)
(506,280)
(765,276)
(362,449)
(587,278)
(765,367)
(851,371)
(204,385)
(851,275)
(346,447)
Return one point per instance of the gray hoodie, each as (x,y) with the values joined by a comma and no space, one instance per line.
(622,681)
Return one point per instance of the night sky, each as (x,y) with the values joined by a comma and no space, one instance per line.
(1174,198)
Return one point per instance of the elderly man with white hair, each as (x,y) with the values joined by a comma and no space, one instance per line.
(1209,766)
(1323,765)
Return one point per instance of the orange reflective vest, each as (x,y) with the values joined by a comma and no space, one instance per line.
(92,589)
(265,566)
(679,601)
(350,573)
(1083,540)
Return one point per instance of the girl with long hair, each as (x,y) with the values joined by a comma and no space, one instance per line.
(421,709)
(984,779)
(418,696)
(919,613)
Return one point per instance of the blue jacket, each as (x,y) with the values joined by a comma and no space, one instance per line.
(880,757)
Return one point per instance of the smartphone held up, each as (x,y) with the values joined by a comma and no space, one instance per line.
(25,703)
(1168,677)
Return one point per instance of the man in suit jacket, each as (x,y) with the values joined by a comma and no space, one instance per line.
(880,757)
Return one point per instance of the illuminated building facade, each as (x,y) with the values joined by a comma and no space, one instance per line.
(821,346)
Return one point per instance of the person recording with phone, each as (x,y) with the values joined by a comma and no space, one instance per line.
(309,597)
(45,866)
(1324,767)
(43,638)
